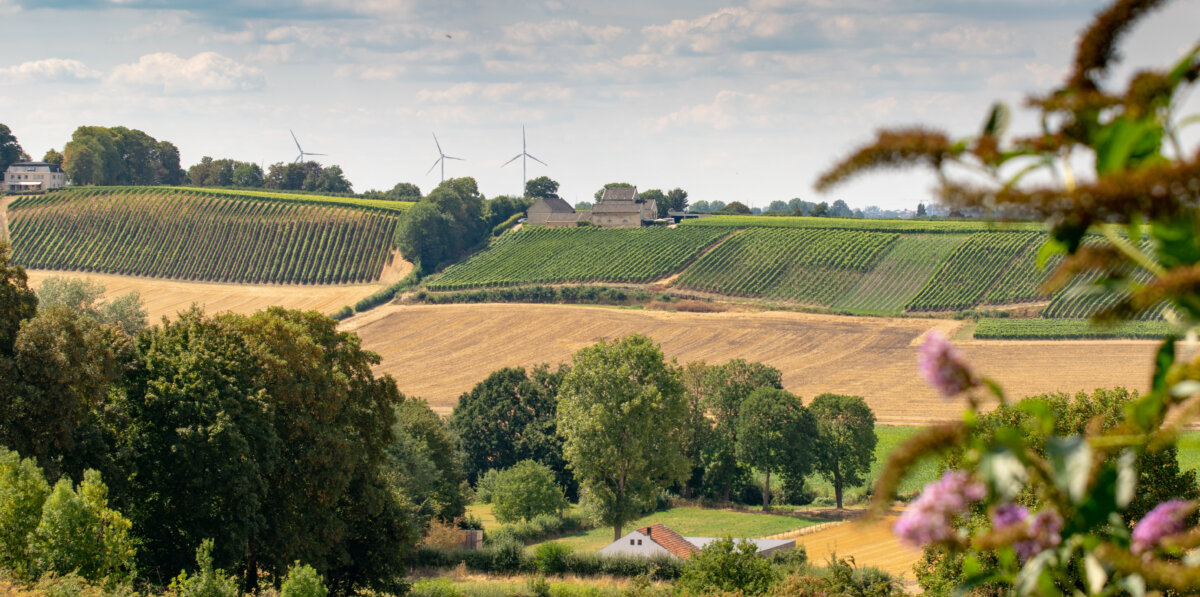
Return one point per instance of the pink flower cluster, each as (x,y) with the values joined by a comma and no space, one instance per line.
(943,366)
(928,518)
(1167,518)
(1042,531)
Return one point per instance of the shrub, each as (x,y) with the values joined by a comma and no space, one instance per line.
(302,581)
(486,484)
(525,491)
(79,533)
(552,558)
(23,490)
(207,582)
(343,313)
(725,566)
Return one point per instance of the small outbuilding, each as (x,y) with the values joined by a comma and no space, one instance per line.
(658,539)
(553,212)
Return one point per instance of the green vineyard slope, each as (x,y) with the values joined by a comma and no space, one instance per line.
(201,235)
(1053,329)
(873,225)
(579,255)
(971,271)
(899,275)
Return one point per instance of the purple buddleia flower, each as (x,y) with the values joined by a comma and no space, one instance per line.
(943,366)
(1045,530)
(1167,518)
(1008,515)
(928,518)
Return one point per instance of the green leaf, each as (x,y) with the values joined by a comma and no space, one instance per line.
(1124,143)
(997,120)
(1175,241)
(1049,249)
(1134,229)
(1094,571)
(1163,360)
(1071,458)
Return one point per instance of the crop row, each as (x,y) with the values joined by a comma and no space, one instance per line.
(803,265)
(866,224)
(578,255)
(899,275)
(971,270)
(195,236)
(1019,329)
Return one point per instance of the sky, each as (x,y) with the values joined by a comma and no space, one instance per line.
(729,100)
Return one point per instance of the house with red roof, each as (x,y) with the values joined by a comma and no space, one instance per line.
(658,539)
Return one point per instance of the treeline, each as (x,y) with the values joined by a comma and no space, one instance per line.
(98,155)
(266,435)
(296,176)
(451,221)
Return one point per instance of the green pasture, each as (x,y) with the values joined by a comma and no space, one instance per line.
(696,522)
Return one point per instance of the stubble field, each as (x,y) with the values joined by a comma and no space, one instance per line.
(438,352)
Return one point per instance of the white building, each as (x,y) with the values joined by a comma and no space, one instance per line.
(657,539)
(34,176)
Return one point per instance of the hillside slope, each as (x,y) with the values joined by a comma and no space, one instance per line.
(201,235)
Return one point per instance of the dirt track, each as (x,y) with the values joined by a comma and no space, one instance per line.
(438,352)
(168,297)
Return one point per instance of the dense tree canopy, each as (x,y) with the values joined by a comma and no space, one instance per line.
(542,187)
(776,434)
(659,198)
(53,156)
(724,388)
(403,191)
(620,411)
(677,199)
(98,155)
(445,225)
(308,176)
(424,462)
(526,490)
(10,149)
(846,446)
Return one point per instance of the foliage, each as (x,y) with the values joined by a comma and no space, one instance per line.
(841,577)
(542,187)
(585,294)
(403,191)
(775,433)
(445,225)
(870,225)
(734,208)
(424,464)
(10,149)
(725,566)
(1069,328)
(83,296)
(552,558)
(96,155)
(578,255)
(659,198)
(196,235)
(1043,494)
(846,439)
(971,270)
(305,197)
(78,533)
(620,408)
(526,490)
(722,389)
(302,581)
(509,417)
(537,528)
(306,176)
(23,490)
(207,582)
(17,301)
(510,558)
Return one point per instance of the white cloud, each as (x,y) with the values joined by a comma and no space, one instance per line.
(205,72)
(716,32)
(51,69)
(561,32)
(729,108)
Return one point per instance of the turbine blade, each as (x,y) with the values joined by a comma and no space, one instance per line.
(537,160)
(448,157)
(307,153)
(439,145)
(432,167)
(296,140)
(511,161)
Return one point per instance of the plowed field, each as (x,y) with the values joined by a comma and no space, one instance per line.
(438,352)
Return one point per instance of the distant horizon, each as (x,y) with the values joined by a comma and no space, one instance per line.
(731,100)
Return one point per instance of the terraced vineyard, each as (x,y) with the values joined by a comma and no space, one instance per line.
(813,266)
(579,255)
(971,271)
(196,235)
(899,275)
(1022,281)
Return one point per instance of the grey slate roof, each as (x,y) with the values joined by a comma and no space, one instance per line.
(49,167)
(557,205)
(618,194)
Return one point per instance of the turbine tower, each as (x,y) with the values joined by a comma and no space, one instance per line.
(524,154)
(302,152)
(442,157)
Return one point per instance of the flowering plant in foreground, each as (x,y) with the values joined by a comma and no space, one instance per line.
(1028,508)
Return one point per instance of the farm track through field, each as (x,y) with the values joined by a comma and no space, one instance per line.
(439,352)
(168,297)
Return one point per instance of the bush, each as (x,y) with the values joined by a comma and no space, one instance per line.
(541,527)
(343,313)
(79,534)
(487,482)
(23,490)
(510,558)
(207,582)
(552,558)
(302,581)
(725,566)
(526,491)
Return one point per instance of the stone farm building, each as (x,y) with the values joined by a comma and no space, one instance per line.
(34,176)
(553,212)
(658,539)
(620,207)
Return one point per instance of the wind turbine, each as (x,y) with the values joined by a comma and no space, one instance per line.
(302,152)
(524,154)
(442,157)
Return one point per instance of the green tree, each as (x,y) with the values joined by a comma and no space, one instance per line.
(428,467)
(659,198)
(83,296)
(333,180)
(725,567)
(208,581)
(697,431)
(52,156)
(302,580)
(616,185)
(17,301)
(775,433)
(78,533)
(526,490)
(820,211)
(677,199)
(423,236)
(23,490)
(508,417)
(920,210)
(734,208)
(403,191)
(460,207)
(724,389)
(10,149)
(248,175)
(620,411)
(846,440)
(542,187)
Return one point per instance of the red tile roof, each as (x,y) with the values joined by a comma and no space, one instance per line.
(669,540)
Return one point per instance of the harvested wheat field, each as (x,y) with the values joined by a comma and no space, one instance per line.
(438,352)
(168,297)
(870,543)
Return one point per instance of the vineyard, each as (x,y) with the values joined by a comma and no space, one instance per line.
(811,266)
(201,235)
(578,255)
(870,225)
(1053,329)
(899,275)
(971,271)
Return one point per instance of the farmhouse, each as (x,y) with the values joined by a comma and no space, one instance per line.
(553,212)
(34,176)
(658,539)
(620,207)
